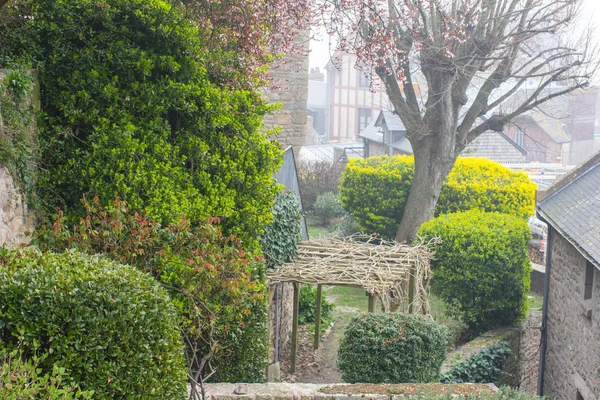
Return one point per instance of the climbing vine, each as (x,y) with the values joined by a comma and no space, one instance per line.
(18,141)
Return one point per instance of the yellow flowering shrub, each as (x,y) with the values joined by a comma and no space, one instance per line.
(375,190)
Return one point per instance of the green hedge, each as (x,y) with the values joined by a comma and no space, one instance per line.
(112,328)
(375,190)
(129,110)
(392,348)
(481,268)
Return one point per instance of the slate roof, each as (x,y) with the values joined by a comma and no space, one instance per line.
(392,121)
(403,145)
(372,132)
(572,207)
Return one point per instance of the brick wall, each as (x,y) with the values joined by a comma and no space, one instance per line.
(573,344)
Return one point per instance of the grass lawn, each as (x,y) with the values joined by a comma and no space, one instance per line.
(316,231)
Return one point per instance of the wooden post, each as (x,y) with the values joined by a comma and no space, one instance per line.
(371,302)
(295,327)
(318,317)
(411,290)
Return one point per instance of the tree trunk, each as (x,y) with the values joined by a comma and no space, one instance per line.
(431,169)
(435,153)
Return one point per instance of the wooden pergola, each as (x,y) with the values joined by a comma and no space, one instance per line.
(388,270)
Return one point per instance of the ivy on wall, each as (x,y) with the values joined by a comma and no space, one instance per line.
(18,141)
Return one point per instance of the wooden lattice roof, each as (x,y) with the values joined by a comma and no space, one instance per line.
(380,267)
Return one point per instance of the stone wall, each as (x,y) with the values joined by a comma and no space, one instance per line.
(522,367)
(289,86)
(15,219)
(573,342)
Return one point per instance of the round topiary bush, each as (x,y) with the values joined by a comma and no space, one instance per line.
(375,190)
(112,328)
(481,268)
(392,348)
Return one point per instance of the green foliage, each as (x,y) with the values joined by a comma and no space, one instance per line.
(307,313)
(481,268)
(215,284)
(375,190)
(23,380)
(18,144)
(483,367)
(392,348)
(327,207)
(130,111)
(113,329)
(317,178)
(505,393)
(280,239)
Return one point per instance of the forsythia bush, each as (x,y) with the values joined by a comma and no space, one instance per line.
(375,190)
(215,284)
(129,110)
(112,328)
(481,269)
(392,348)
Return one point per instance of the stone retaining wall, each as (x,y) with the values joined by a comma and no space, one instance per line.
(15,219)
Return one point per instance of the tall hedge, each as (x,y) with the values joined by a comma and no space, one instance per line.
(128,110)
(112,328)
(375,190)
(392,348)
(481,267)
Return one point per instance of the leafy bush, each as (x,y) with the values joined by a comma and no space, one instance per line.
(375,190)
(328,207)
(129,110)
(112,328)
(317,178)
(505,393)
(483,367)
(280,239)
(307,313)
(215,284)
(481,269)
(23,379)
(392,348)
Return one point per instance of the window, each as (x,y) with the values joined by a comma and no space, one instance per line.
(364,117)
(520,137)
(589,281)
(363,81)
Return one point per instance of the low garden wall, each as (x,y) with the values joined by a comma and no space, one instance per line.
(310,391)
(15,218)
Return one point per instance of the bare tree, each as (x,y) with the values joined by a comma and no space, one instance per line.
(469,59)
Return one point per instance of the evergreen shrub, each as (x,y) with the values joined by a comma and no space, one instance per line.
(374,190)
(392,348)
(307,313)
(112,328)
(22,379)
(327,207)
(481,268)
(483,367)
(130,110)
(216,285)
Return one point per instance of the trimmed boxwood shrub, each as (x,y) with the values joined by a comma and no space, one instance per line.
(481,268)
(375,190)
(112,328)
(392,348)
